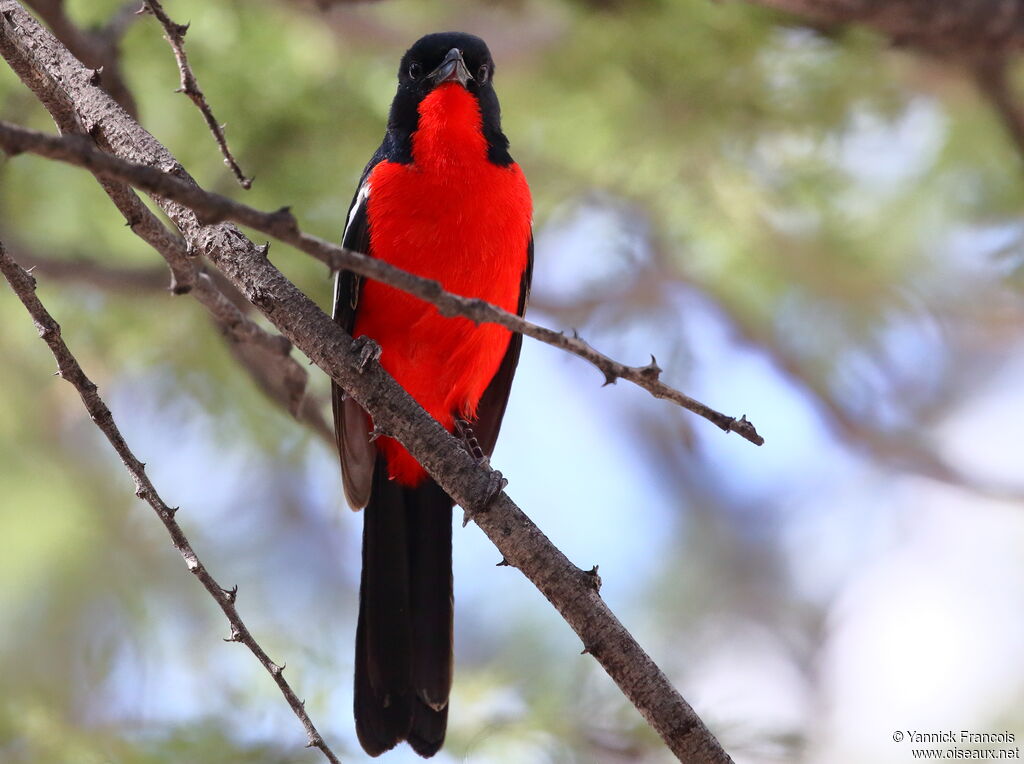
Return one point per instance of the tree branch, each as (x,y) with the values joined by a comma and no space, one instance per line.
(121,280)
(264,355)
(69,369)
(96,49)
(267,357)
(56,77)
(175,35)
(213,208)
(956,28)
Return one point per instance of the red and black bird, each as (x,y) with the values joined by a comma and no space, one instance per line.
(443,199)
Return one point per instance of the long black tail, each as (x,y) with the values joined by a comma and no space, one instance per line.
(404,635)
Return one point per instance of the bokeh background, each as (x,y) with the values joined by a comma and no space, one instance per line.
(802,224)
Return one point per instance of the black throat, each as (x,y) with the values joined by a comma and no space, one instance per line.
(413,86)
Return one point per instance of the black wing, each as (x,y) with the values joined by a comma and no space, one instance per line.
(491,409)
(356,451)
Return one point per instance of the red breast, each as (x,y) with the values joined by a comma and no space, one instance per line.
(453,216)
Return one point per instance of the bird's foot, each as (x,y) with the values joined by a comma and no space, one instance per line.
(496,482)
(367,351)
(472,445)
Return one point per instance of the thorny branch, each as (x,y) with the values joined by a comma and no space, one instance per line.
(24,286)
(265,356)
(98,49)
(58,79)
(175,34)
(214,208)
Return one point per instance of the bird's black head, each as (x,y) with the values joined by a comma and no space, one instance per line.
(438,59)
(444,57)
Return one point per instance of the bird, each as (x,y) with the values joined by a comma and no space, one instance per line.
(443,199)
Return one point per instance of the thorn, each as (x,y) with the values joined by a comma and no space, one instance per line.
(376,433)
(263,249)
(652,369)
(585,650)
(503,564)
(285,214)
(609,377)
(277,670)
(235,635)
(95,75)
(231,593)
(172,511)
(575,334)
(593,578)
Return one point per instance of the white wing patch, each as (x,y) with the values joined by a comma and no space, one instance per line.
(361,197)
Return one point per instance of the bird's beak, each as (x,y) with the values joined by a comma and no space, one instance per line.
(452,69)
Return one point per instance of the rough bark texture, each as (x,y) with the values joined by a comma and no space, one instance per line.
(97,49)
(59,80)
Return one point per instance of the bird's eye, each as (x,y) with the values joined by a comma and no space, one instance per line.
(483,73)
(415,70)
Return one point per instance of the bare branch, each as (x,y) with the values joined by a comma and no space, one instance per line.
(265,356)
(57,78)
(68,368)
(273,369)
(123,280)
(213,208)
(96,49)
(175,35)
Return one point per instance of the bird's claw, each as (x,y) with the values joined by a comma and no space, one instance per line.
(471,443)
(367,351)
(496,483)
